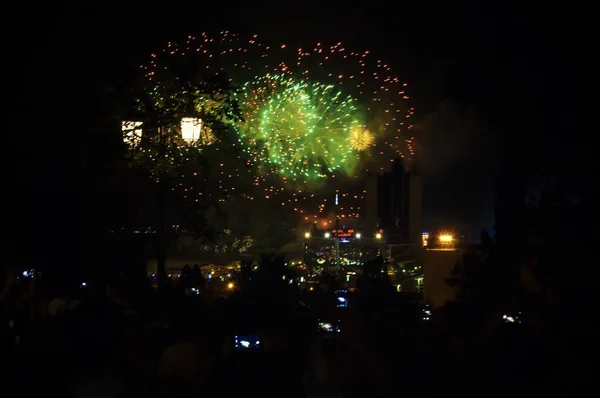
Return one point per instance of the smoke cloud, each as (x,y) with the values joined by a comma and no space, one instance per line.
(458,155)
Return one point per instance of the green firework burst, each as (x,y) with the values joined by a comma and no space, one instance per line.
(298,128)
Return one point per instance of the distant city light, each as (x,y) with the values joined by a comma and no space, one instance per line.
(425,238)
(358,236)
(327,235)
(307,235)
(377,235)
(511,319)
(230,285)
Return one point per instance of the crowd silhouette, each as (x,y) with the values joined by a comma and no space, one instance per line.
(116,337)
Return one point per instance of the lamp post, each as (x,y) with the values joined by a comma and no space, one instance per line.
(162,134)
(379,237)
(337,231)
(305,247)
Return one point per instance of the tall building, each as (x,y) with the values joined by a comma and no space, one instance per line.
(399,203)
(372,213)
(415,230)
(438,264)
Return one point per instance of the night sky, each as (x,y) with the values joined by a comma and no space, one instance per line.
(473,70)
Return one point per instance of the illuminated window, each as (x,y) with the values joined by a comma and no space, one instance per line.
(132,134)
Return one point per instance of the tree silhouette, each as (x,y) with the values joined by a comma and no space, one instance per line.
(269,282)
(158,104)
(374,285)
(483,280)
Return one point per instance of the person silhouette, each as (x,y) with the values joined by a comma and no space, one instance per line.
(197,277)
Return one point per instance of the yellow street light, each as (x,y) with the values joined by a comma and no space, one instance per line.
(230,285)
(446,238)
(307,235)
(377,235)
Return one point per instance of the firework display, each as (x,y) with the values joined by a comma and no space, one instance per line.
(361,139)
(322,113)
(297,128)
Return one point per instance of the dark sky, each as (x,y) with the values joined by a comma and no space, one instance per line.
(464,61)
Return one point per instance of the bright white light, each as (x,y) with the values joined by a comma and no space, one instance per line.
(327,235)
(193,130)
(358,236)
(326,326)
(508,318)
(307,235)
(132,134)
(245,343)
(378,236)
(190,129)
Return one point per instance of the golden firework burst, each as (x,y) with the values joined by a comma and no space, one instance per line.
(361,139)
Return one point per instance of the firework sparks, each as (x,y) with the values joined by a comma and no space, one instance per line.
(361,139)
(376,127)
(299,128)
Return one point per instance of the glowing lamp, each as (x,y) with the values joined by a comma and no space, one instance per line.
(307,235)
(327,235)
(190,129)
(377,235)
(132,133)
(357,236)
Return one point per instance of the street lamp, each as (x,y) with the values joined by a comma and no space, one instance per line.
(327,235)
(307,235)
(190,129)
(194,131)
(358,235)
(377,235)
(446,238)
(132,132)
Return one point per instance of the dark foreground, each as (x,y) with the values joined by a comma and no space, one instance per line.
(123,340)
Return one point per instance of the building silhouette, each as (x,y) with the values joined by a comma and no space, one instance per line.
(397,198)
